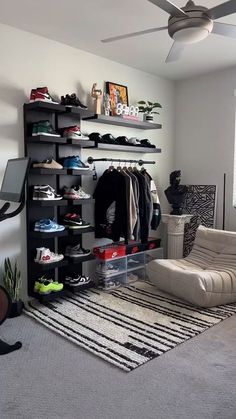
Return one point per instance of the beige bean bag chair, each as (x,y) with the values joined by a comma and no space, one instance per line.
(207,277)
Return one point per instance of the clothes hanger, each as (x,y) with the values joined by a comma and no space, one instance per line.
(111,167)
(119,168)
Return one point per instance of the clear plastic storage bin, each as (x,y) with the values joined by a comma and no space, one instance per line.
(111,267)
(136,275)
(112,282)
(136,260)
(153,254)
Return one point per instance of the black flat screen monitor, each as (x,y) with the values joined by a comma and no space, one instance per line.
(13,183)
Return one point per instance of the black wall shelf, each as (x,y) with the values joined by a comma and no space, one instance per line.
(64,233)
(61,203)
(48,266)
(41,171)
(126,148)
(116,120)
(75,261)
(60,140)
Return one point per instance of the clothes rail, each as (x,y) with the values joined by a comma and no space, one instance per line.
(91,160)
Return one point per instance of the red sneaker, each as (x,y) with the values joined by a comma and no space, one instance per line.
(74,133)
(41,94)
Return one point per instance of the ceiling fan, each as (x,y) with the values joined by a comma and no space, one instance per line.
(189,24)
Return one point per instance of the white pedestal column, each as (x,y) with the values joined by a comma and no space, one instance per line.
(175,234)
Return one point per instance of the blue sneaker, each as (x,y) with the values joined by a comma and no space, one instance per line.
(47,226)
(74,163)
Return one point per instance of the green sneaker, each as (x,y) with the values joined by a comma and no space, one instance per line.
(44,128)
(40,281)
(48,287)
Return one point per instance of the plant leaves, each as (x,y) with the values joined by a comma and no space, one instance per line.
(142,102)
(150,103)
(156,112)
(157,105)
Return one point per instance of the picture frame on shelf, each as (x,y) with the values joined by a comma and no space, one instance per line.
(118,94)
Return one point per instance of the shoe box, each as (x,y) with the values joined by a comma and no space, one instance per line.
(136,247)
(109,251)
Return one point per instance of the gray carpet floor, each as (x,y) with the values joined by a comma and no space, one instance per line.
(50,378)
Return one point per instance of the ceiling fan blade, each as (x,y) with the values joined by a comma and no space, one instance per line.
(131,35)
(224,9)
(169,7)
(175,52)
(224,29)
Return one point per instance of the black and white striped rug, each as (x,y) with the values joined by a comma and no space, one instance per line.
(128,326)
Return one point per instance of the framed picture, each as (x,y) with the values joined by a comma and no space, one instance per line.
(118,94)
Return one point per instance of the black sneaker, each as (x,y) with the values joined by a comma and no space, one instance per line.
(76,280)
(76,251)
(45,193)
(72,100)
(73,221)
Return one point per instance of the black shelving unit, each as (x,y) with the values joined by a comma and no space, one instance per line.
(39,148)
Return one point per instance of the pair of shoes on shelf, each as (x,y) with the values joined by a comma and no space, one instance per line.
(74,163)
(75,280)
(45,193)
(46,225)
(75,193)
(112,284)
(44,256)
(73,221)
(72,100)
(76,251)
(74,133)
(45,286)
(48,164)
(41,94)
(44,128)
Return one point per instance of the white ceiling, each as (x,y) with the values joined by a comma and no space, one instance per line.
(83,23)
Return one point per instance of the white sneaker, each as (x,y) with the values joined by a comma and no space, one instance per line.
(74,133)
(45,255)
(74,193)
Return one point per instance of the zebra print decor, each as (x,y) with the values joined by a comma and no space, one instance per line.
(200,201)
(128,326)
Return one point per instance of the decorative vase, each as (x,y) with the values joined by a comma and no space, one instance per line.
(16,309)
(148,117)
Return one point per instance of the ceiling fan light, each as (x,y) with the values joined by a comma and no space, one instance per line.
(191,35)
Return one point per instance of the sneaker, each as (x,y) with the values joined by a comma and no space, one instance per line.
(146,143)
(75,193)
(76,251)
(41,94)
(41,281)
(46,256)
(74,133)
(48,164)
(73,221)
(74,163)
(47,226)
(45,193)
(112,284)
(50,286)
(77,280)
(72,100)
(106,269)
(44,128)
(134,141)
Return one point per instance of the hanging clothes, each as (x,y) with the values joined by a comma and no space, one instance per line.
(111,206)
(126,205)
(156,212)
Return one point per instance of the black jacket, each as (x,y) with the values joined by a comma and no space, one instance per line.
(111,192)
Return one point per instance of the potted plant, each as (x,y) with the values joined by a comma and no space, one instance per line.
(147,108)
(12,281)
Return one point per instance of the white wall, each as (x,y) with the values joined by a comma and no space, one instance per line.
(205,134)
(28,61)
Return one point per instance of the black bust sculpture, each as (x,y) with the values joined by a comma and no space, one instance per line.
(176,193)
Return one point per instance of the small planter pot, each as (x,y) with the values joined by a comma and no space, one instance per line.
(16,309)
(148,117)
